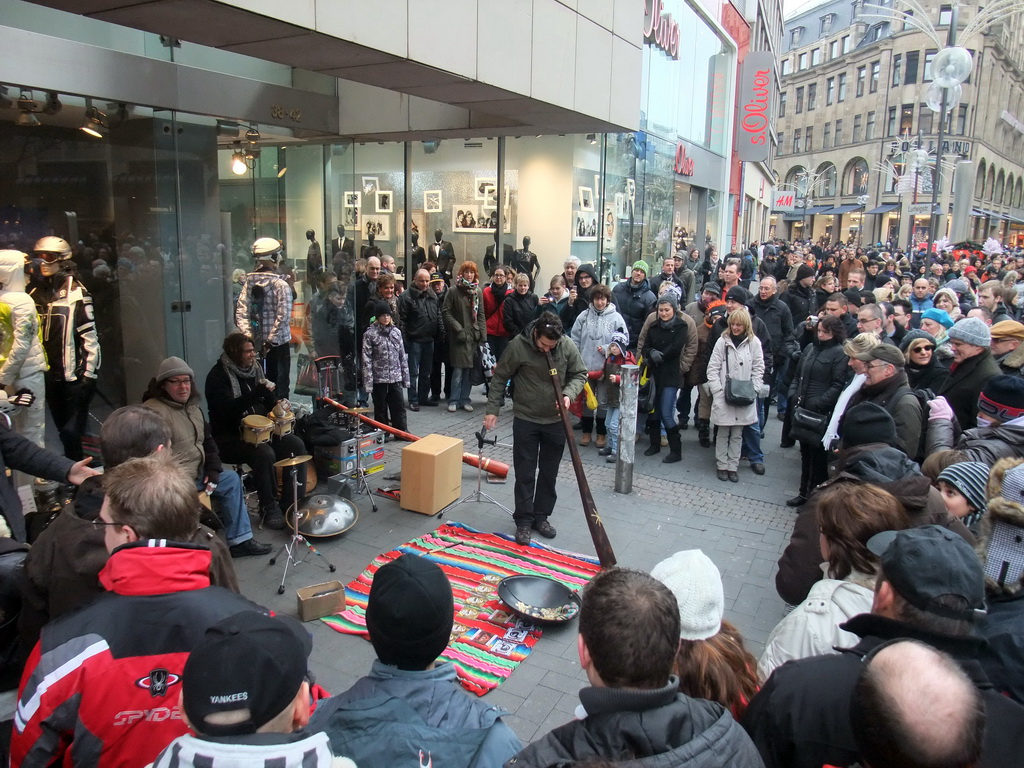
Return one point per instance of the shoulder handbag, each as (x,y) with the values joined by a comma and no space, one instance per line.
(808,426)
(737,391)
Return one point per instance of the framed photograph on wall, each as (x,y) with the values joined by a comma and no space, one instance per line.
(620,205)
(385,201)
(432,201)
(377,225)
(466,217)
(486,190)
(610,227)
(584,227)
(350,217)
(586,199)
(370,185)
(352,199)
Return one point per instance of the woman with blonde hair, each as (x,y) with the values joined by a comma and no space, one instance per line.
(737,356)
(945,299)
(712,662)
(848,515)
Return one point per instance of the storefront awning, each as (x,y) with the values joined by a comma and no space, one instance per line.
(843,208)
(883,208)
(978,212)
(817,209)
(793,217)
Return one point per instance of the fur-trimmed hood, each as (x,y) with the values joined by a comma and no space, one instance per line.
(1008,512)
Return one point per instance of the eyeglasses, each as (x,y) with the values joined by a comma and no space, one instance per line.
(178,382)
(99,525)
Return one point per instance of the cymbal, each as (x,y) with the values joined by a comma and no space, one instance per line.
(364,409)
(293,461)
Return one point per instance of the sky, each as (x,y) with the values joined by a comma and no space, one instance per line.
(789,7)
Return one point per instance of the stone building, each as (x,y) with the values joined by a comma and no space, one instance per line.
(853,105)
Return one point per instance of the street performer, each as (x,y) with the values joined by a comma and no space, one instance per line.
(537,431)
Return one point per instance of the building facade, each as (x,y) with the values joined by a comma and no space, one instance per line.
(853,108)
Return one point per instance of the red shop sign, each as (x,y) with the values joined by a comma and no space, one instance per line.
(684,165)
(660,29)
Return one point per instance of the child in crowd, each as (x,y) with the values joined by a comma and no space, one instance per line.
(385,367)
(618,356)
(963,490)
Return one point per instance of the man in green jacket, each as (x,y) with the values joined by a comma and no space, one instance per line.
(537,433)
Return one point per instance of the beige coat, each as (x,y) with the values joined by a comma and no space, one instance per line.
(745,363)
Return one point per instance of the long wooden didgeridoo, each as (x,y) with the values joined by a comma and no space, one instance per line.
(490,466)
(598,534)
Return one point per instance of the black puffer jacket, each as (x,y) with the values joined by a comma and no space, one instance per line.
(798,720)
(875,463)
(821,377)
(635,303)
(669,341)
(779,319)
(984,444)
(518,311)
(801,302)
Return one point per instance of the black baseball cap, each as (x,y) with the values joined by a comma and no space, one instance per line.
(249,661)
(925,563)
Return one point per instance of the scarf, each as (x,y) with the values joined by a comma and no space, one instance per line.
(832,432)
(235,373)
(469,287)
(499,291)
(737,340)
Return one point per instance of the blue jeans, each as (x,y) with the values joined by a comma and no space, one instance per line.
(461,385)
(612,424)
(421,360)
(230,504)
(752,439)
(667,406)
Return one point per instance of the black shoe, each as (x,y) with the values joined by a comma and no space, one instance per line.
(684,425)
(606,451)
(274,520)
(787,443)
(672,458)
(523,535)
(796,501)
(781,416)
(432,402)
(654,448)
(734,477)
(758,468)
(414,407)
(722,475)
(544,528)
(250,548)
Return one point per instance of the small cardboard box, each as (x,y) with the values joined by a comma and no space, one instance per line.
(431,474)
(320,600)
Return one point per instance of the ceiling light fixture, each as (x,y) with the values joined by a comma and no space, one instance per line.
(95,123)
(244,159)
(592,138)
(28,108)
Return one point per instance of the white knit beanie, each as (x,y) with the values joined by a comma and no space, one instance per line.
(697,585)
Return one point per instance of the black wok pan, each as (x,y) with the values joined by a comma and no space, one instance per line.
(538,599)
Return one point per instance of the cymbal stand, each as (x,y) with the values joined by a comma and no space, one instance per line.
(479,495)
(297,540)
(356,427)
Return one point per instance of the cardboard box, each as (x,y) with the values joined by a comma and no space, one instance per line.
(315,604)
(431,474)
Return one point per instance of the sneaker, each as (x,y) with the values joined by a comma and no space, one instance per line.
(274,520)
(664,441)
(467,408)
(250,548)
(523,535)
(734,477)
(544,528)
(612,459)
(606,451)
(758,468)
(452,407)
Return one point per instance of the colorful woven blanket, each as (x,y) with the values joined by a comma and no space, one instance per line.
(488,641)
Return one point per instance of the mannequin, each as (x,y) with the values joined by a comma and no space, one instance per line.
(526,261)
(314,264)
(369,249)
(491,261)
(442,253)
(343,249)
(416,254)
(22,362)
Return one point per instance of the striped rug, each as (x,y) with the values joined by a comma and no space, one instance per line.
(488,641)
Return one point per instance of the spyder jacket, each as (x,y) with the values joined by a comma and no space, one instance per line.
(101,686)
(68,326)
(264,309)
(21,354)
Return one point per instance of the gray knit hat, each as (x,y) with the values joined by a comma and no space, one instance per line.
(971,330)
(970,478)
(173,366)
(697,585)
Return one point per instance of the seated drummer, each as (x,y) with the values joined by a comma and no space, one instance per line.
(236,387)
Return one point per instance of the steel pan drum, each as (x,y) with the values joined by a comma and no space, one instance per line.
(324,514)
(538,599)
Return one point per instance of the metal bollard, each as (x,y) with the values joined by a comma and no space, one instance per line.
(629,387)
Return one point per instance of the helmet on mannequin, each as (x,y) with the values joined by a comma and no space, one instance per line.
(52,250)
(267,249)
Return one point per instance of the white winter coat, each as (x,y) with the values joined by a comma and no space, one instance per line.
(745,363)
(812,628)
(21,352)
(594,329)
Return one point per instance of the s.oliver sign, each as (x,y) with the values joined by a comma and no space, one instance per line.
(757,83)
(660,29)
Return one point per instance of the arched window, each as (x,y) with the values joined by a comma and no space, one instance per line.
(855,177)
(1018,193)
(997,195)
(1008,194)
(979,183)
(797,180)
(990,183)
(826,182)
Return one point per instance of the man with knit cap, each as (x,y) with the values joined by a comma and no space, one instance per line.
(635,300)
(172,393)
(887,385)
(1007,349)
(245,694)
(629,635)
(411,703)
(1000,430)
(972,366)
(930,588)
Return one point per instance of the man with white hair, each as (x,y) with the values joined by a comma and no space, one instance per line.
(264,312)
